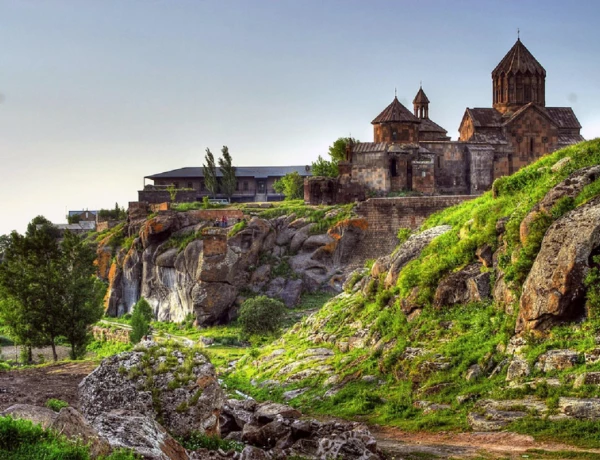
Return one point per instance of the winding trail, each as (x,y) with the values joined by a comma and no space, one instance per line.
(399,444)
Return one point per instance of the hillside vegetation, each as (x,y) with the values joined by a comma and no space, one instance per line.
(392,354)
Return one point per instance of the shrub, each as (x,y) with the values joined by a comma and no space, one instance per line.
(592,283)
(140,320)
(261,315)
(197,441)
(56,404)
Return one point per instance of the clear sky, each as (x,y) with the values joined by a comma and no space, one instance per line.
(95,95)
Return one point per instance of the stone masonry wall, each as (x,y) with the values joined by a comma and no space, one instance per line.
(385,216)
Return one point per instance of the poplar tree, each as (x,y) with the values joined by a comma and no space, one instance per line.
(209,171)
(228,179)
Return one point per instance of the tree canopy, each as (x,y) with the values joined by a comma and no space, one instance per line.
(48,289)
(337,153)
(228,179)
(291,185)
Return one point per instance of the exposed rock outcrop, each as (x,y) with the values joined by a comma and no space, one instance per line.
(554,289)
(462,287)
(182,265)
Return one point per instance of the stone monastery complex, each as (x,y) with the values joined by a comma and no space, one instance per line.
(410,152)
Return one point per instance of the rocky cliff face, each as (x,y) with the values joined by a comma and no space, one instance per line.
(183,265)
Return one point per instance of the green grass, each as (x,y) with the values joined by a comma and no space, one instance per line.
(22,440)
(105,349)
(580,433)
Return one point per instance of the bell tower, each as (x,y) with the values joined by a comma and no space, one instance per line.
(518,80)
(421,105)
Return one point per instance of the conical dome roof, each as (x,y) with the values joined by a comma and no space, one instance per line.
(421,97)
(519,59)
(395,112)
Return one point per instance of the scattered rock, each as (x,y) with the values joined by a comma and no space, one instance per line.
(587,378)
(474,372)
(462,287)
(560,164)
(580,408)
(42,415)
(484,254)
(517,369)
(268,411)
(557,360)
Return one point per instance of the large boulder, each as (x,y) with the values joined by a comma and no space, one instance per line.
(410,250)
(42,415)
(180,386)
(126,429)
(212,301)
(288,291)
(73,425)
(554,290)
(569,188)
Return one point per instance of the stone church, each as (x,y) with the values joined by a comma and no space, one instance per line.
(412,153)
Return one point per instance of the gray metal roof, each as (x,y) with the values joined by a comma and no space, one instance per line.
(259,172)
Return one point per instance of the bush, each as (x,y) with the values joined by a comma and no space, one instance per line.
(592,283)
(261,315)
(197,441)
(56,404)
(140,320)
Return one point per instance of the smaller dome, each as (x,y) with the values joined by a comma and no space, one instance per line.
(395,112)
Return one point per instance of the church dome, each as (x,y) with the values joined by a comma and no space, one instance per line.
(395,112)
(421,97)
(519,59)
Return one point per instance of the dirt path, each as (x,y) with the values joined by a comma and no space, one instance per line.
(400,444)
(37,385)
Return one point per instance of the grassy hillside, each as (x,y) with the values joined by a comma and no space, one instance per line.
(379,366)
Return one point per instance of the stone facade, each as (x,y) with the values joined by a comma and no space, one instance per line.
(411,153)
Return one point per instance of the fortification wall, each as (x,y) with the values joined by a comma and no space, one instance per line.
(385,216)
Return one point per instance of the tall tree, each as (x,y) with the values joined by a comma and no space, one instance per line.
(48,289)
(31,283)
(210,173)
(83,292)
(228,180)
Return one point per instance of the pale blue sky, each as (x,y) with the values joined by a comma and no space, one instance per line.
(95,95)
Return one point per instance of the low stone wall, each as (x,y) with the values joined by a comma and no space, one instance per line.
(213,214)
(385,216)
(106,334)
(101,226)
(162,196)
